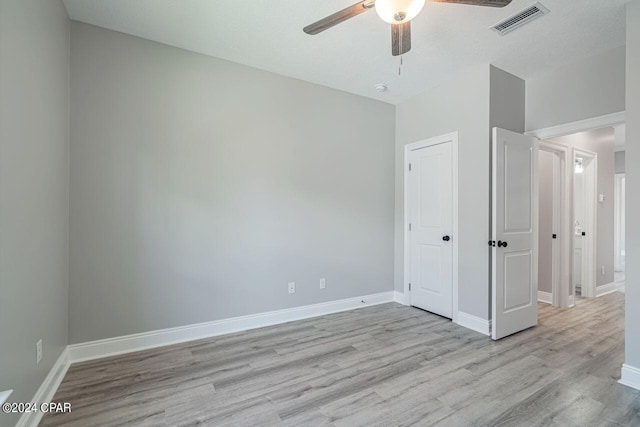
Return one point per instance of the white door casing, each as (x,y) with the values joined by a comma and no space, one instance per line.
(431,213)
(514,233)
(563,223)
(588,265)
(619,222)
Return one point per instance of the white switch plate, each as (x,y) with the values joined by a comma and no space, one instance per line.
(323,283)
(292,287)
(38,351)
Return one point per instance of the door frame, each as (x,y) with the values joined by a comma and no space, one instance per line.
(589,265)
(443,139)
(618,213)
(562,219)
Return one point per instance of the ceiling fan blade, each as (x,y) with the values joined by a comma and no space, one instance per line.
(490,3)
(400,38)
(338,17)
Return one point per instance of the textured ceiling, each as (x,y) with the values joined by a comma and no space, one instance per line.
(356,55)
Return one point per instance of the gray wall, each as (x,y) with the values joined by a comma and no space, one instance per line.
(580,90)
(461,104)
(34,169)
(619,162)
(632,321)
(600,141)
(200,188)
(507,101)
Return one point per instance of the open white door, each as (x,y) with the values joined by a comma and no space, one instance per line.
(514,229)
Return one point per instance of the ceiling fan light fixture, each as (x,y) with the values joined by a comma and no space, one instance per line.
(398,11)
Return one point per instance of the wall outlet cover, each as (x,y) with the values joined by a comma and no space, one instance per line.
(292,287)
(323,283)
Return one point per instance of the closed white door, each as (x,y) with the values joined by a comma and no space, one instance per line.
(430,209)
(514,229)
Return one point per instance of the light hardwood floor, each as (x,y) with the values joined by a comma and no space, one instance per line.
(387,365)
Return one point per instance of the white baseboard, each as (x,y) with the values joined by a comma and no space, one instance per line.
(47,390)
(400,298)
(546,297)
(146,340)
(630,376)
(607,289)
(474,323)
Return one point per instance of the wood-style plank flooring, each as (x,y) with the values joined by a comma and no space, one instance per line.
(387,365)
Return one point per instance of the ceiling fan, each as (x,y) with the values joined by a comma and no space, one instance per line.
(398,13)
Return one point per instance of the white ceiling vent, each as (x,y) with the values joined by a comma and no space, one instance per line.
(521,18)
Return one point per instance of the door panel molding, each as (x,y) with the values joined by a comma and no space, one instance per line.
(443,139)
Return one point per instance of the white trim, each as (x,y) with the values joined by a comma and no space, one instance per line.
(47,389)
(630,376)
(546,297)
(609,288)
(579,126)
(474,323)
(589,260)
(619,148)
(453,138)
(619,198)
(146,340)
(400,298)
(561,285)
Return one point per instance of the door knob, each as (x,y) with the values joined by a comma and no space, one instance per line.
(446,238)
(502,244)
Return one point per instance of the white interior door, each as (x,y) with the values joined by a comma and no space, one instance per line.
(430,213)
(514,229)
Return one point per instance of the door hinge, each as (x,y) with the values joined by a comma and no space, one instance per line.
(409,167)
(409,286)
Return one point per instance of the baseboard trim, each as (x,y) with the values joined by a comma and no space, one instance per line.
(126,344)
(400,298)
(474,323)
(607,289)
(630,376)
(546,297)
(47,389)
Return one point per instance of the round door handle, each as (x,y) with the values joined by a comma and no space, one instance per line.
(502,244)
(446,238)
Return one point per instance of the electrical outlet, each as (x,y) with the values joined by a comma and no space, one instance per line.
(38,351)
(323,283)
(292,287)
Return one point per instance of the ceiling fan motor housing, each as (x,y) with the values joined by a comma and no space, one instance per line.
(398,11)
